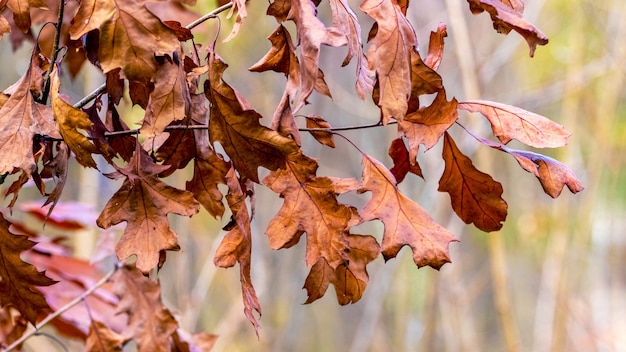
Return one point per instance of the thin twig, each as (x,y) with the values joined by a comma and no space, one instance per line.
(93,95)
(55,51)
(65,308)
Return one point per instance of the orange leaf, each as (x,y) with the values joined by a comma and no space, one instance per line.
(510,122)
(476,197)
(236,126)
(169,101)
(69,120)
(389,55)
(18,278)
(507,17)
(310,206)
(150,323)
(349,279)
(21,117)
(5,27)
(130,36)
(237,247)
(144,201)
(406,223)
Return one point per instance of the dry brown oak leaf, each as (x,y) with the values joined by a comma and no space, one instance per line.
(150,323)
(476,197)
(235,125)
(310,206)
(130,36)
(389,56)
(406,223)
(552,174)
(18,279)
(70,120)
(510,122)
(144,201)
(21,12)
(21,117)
(236,247)
(349,279)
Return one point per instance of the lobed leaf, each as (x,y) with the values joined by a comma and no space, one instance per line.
(402,162)
(406,223)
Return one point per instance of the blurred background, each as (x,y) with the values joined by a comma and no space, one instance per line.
(552,279)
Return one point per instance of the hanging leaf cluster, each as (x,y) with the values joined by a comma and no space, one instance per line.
(192,116)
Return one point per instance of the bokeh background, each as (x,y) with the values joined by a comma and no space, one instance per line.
(552,279)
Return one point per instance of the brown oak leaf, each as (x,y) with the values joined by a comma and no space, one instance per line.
(102,339)
(345,20)
(324,137)
(349,279)
(12,326)
(389,56)
(150,323)
(130,36)
(435,46)
(510,122)
(169,101)
(402,162)
(70,120)
(18,279)
(236,247)
(21,117)
(507,16)
(144,201)
(235,125)
(312,33)
(21,12)
(406,223)
(310,206)
(5,27)
(57,169)
(552,174)
(426,125)
(476,197)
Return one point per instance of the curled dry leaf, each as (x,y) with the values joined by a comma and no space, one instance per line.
(144,201)
(21,12)
(406,223)
(510,122)
(312,33)
(5,27)
(389,56)
(435,46)
(476,197)
(506,16)
(402,162)
(324,137)
(552,174)
(236,247)
(70,120)
(130,36)
(18,279)
(242,12)
(169,101)
(21,117)
(349,279)
(102,339)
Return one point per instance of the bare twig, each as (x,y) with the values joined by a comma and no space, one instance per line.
(65,308)
(55,51)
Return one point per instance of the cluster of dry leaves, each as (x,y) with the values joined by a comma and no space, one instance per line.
(189,109)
